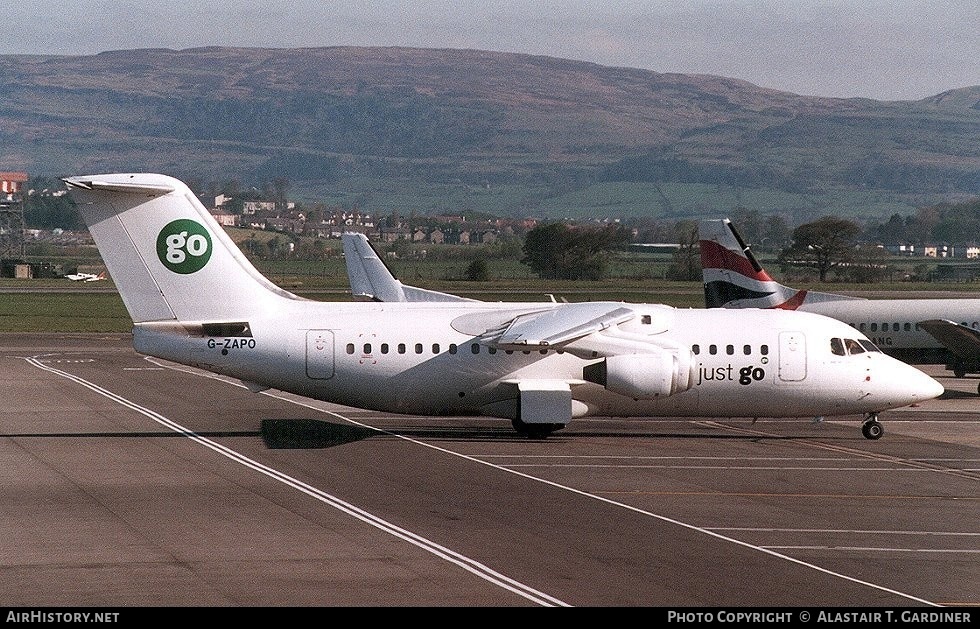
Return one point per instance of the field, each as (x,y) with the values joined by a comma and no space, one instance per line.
(59,305)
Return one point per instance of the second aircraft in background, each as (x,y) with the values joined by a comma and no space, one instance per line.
(917,331)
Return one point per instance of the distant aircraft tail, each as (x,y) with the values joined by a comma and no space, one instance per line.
(734,278)
(169,258)
(371,280)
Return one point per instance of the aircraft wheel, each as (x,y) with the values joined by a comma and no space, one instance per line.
(872,429)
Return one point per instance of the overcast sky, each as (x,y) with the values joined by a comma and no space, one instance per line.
(884,49)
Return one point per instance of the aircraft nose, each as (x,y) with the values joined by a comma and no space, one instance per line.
(921,386)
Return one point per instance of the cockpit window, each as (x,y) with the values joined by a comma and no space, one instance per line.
(868,345)
(853,347)
(837,347)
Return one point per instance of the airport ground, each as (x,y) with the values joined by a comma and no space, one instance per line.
(134,482)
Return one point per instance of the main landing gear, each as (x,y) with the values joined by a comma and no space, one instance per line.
(534,431)
(871,429)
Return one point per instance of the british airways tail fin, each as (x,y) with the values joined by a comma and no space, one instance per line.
(371,280)
(169,258)
(734,278)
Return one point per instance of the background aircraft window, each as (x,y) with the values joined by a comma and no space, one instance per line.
(896,327)
(350,348)
(384,348)
(508,351)
(542,351)
(367,348)
(729,349)
(492,350)
(418,348)
(861,327)
(435,348)
(696,349)
(712,349)
(874,327)
(401,348)
(908,327)
(764,350)
(475,348)
(452,348)
(747,349)
(837,347)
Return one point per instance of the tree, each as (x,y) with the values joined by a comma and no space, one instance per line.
(558,251)
(478,271)
(686,262)
(823,244)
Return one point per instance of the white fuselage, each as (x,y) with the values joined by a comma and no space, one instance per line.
(428,358)
(892,323)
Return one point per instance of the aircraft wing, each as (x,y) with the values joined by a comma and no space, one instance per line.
(555,326)
(371,280)
(962,340)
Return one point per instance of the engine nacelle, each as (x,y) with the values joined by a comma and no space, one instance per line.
(658,373)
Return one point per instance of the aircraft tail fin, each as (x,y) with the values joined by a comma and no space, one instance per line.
(734,278)
(372,280)
(169,258)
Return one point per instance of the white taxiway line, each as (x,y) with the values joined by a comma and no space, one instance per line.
(462,561)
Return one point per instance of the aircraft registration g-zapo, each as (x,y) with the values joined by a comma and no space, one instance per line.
(917,331)
(196,300)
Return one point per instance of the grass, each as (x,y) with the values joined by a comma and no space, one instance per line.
(58,305)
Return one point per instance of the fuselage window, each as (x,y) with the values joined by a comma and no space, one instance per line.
(491,350)
(475,348)
(712,349)
(435,348)
(729,349)
(747,350)
(542,351)
(695,349)
(367,348)
(418,348)
(908,327)
(384,348)
(837,347)
(401,348)
(350,348)
(861,327)
(874,327)
(896,327)
(452,348)
(646,320)
(764,350)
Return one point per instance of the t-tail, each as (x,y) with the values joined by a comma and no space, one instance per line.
(169,258)
(734,278)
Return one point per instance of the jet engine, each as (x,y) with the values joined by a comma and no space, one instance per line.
(643,376)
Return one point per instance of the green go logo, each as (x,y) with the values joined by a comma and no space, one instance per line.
(184,246)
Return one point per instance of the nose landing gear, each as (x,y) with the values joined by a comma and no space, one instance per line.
(871,429)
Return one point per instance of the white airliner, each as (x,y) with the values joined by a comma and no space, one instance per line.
(917,331)
(372,280)
(195,299)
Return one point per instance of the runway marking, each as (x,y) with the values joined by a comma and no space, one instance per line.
(470,565)
(751,529)
(876,549)
(299,401)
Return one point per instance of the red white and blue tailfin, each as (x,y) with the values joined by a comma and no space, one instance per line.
(733,277)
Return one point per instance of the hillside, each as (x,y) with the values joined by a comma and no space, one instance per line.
(455,130)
